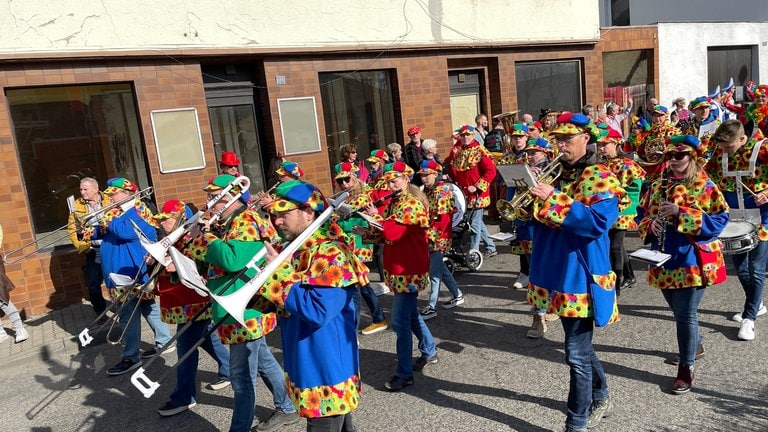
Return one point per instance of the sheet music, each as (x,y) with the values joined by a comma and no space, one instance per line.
(652,257)
(707,129)
(517,175)
(503,236)
(71,203)
(186,269)
(371,221)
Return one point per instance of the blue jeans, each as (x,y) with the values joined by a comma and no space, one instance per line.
(372,301)
(151,312)
(684,303)
(479,231)
(438,272)
(247,360)
(184,392)
(406,319)
(751,269)
(588,381)
(93,279)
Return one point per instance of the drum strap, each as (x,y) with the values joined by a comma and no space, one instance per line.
(739,174)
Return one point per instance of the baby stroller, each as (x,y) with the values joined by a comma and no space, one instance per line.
(459,254)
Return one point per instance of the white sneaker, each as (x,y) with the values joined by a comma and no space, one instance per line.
(21,335)
(762,310)
(380,288)
(747,330)
(521,282)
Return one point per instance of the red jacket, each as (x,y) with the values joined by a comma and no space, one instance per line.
(472,165)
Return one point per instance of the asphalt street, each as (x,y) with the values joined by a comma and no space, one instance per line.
(490,377)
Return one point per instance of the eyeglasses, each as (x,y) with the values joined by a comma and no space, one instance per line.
(679,156)
(565,139)
(343,180)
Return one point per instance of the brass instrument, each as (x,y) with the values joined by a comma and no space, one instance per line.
(508,119)
(517,207)
(79,222)
(654,152)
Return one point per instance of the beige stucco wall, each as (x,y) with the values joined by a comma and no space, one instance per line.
(683,54)
(96,25)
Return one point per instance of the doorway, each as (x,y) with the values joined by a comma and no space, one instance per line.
(467,97)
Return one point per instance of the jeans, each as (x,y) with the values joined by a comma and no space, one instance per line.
(751,270)
(438,272)
(406,319)
(93,279)
(151,312)
(246,361)
(479,231)
(356,299)
(337,423)
(372,301)
(588,381)
(184,392)
(684,303)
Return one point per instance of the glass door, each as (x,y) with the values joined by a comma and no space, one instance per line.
(234,130)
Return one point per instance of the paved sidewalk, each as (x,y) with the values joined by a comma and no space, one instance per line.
(54,332)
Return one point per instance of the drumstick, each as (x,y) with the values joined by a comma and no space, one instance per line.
(747,188)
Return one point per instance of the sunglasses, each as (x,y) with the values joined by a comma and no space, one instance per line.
(679,156)
(343,180)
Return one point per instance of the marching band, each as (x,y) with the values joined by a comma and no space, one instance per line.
(295,257)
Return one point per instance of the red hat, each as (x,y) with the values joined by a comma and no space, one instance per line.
(345,170)
(229,159)
(534,125)
(430,166)
(414,130)
(171,209)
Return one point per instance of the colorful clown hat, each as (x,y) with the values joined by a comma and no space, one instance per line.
(539,144)
(465,130)
(575,123)
(345,170)
(683,143)
(118,184)
(294,194)
(430,166)
(173,209)
(397,169)
(518,129)
(609,135)
(660,110)
(291,169)
(700,102)
(378,156)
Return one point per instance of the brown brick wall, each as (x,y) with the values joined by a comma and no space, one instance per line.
(46,281)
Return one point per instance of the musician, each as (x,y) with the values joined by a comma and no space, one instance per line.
(631,176)
(441,209)
(405,224)
(687,212)
(288,170)
(122,253)
(572,219)
(178,304)
(702,124)
(651,149)
(539,154)
(358,200)
(313,293)
(745,158)
(534,129)
(227,247)
(758,111)
(514,153)
(377,160)
(90,200)
(471,166)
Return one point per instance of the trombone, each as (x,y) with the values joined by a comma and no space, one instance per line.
(78,221)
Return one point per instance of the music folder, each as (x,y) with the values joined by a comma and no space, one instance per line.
(517,175)
(186,269)
(652,257)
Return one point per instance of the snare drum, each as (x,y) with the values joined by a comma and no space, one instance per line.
(738,237)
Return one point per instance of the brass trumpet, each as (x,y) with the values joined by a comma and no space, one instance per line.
(654,153)
(517,207)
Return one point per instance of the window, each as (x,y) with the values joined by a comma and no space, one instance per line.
(358,108)
(556,85)
(66,133)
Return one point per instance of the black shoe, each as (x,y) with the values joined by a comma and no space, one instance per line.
(148,353)
(423,361)
(278,420)
(124,366)
(397,383)
(169,409)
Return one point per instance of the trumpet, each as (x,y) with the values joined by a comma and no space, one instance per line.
(518,206)
(79,222)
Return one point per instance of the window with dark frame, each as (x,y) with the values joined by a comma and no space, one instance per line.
(358,108)
(66,133)
(557,85)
